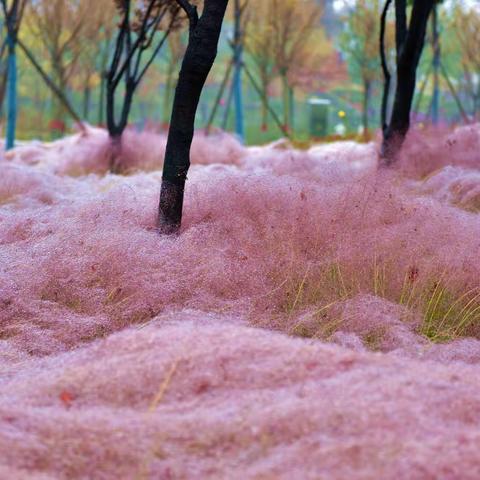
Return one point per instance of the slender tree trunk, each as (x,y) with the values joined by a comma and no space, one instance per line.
(103,82)
(409,49)
(110,110)
(436,67)
(286,103)
(454,93)
(115,159)
(386,72)
(114,132)
(237,74)
(421,91)
(116,129)
(228,105)
(86,101)
(50,83)
(3,86)
(198,60)
(264,110)
(60,110)
(12,93)
(101,100)
(291,107)
(366,105)
(238,100)
(263,94)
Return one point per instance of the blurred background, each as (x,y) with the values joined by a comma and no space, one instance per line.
(309,70)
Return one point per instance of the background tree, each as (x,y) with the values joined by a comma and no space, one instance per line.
(239,21)
(465,21)
(409,42)
(197,63)
(61,27)
(260,49)
(13,14)
(293,23)
(360,43)
(96,38)
(140,21)
(238,16)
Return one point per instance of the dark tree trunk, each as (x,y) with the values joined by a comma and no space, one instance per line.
(115,160)
(103,82)
(110,110)
(386,73)
(199,57)
(409,50)
(116,129)
(436,67)
(401,27)
(134,38)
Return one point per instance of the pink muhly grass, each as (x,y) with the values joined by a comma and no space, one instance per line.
(125,353)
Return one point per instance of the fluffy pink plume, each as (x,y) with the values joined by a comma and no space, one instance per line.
(268,340)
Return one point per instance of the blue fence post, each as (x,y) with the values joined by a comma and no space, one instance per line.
(11,93)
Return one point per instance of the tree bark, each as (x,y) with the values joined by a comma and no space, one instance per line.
(115,159)
(408,56)
(386,73)
(198,60)
(401,28)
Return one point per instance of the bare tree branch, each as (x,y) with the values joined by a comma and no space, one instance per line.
(191,11)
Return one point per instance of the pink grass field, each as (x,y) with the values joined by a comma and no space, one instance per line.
(274,338)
